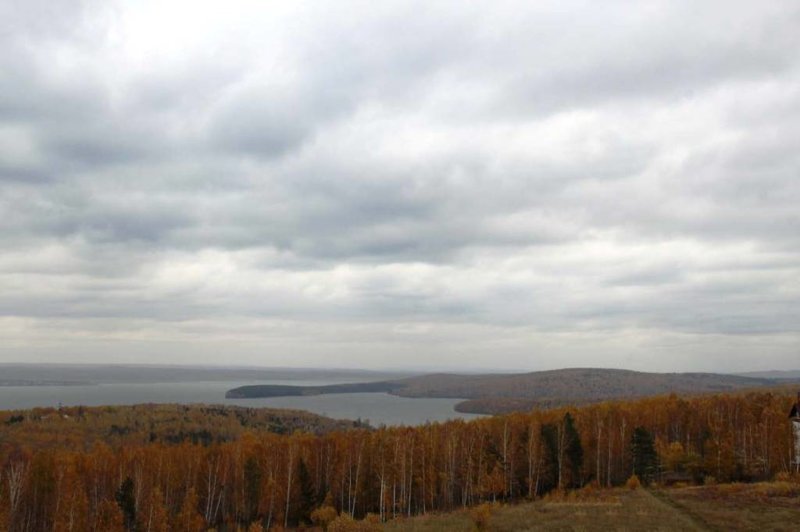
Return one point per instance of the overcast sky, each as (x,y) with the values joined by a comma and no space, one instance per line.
(482,185)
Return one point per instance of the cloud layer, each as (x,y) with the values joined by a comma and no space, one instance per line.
(401,185)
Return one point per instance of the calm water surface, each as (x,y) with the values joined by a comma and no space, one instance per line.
(377,408)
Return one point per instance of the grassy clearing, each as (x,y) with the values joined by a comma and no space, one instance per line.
(618,509)
(762,506)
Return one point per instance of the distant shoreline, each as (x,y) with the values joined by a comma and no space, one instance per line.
(27,383)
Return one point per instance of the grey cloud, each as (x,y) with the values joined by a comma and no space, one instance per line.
(266,125)
(553,168)
(22,173)
(91,145)
(30,34)
(28,94)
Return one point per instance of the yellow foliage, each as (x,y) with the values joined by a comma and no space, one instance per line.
(674,457)
(782,476)
(633,483)
(481,515)
(345,523)
(371,518)
(777,489)
(323,516)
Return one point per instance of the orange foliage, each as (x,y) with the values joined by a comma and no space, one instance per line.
(63,474)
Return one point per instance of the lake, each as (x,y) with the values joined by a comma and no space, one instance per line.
(377,408)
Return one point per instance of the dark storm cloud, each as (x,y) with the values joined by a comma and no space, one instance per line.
(540,172)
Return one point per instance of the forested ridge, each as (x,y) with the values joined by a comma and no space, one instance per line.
(503,393)
(574,383)
(269,479)
(80,427)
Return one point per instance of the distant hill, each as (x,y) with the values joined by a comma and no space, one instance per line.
(773,374)
(496,393)
(574,383)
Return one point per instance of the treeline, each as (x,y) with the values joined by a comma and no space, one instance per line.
(280,480)
(79,427)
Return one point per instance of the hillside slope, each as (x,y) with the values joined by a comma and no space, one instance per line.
(498,393)
(502,393)
(578,384)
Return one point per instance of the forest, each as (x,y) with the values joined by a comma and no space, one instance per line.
(114,476)
(497,393)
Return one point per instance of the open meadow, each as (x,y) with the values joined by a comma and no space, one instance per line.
(773,506)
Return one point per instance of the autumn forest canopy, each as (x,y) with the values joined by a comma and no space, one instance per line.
(194,467)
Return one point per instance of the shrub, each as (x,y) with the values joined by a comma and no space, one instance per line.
(373,519)
(557,495)
(323,516)
(481,515)
(345,523)
(633,483)
(777,489)
(593,492)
